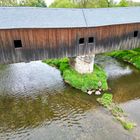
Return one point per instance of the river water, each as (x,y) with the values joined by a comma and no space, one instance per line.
(35,104)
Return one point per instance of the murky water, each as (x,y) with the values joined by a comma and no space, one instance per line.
(35,104)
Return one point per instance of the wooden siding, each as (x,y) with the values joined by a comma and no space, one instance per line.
(40,44)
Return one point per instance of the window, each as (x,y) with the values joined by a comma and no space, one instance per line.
(17,43)
(91,40)
(81,41)
(135,33)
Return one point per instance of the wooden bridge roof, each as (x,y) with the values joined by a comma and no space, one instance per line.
(29,17)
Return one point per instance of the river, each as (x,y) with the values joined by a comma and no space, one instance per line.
(35,104)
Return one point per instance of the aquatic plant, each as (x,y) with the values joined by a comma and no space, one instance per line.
(126,124)
(84,82)
(116,111)
(105,100)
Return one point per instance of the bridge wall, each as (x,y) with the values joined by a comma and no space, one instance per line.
(38,44)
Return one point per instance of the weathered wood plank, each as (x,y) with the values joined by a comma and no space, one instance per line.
(56,43)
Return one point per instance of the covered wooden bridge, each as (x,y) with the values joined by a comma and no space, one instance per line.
(28,34)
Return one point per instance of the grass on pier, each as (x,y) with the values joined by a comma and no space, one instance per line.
(83,82)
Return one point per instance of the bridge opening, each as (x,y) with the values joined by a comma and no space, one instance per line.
(135,33)
(17,43)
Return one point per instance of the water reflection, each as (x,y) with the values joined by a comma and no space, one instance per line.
(114,68)
(29,79)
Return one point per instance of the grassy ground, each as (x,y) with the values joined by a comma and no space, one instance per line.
(131,56)
(84,82)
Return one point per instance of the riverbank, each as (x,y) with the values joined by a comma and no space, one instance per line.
(94,82)
(130,56)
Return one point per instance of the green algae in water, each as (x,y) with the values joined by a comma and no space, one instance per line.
(116,111)
(126,123)
(83,82)
(106,99)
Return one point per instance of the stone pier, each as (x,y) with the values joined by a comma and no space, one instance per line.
(83,64)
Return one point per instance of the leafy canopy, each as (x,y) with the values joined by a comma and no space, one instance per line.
(32,3)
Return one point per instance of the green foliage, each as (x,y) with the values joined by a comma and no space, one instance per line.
(33,3)
(91,3)
(116,111)
(123,3)
(133,3)
(8,3)
(62,4)
(82,3)
(61,64)
(86,82)
(126,124)
(131,56)
(69,3)
(106,99)
(83,82)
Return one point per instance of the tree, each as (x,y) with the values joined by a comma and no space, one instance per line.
(62,4)
(110,3)
(82,3)
(33,3)
(123,3)
(132,3)
(8,3)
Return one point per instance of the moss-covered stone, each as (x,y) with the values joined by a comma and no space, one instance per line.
(84,82)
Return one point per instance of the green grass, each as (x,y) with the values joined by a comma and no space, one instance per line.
(116,111)
(126,124)
(131,56)
(105,100)
(83,82)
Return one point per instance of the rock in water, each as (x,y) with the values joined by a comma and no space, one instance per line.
(97,93)
(100,89)
(90,92)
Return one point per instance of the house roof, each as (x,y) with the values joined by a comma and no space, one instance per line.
(31,17)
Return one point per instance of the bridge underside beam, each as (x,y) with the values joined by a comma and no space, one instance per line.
(83,64)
